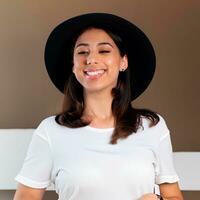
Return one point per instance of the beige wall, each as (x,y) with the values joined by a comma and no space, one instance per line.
(27,95)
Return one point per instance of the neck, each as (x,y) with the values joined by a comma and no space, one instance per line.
(98,105)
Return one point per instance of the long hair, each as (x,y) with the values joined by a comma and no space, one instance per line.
(127,118)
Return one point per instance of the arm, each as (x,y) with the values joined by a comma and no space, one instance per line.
(27,193)
(168,191)
(35,174)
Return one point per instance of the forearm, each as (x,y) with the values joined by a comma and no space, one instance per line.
(172,198)
(19,196)
(27,193)
(151,196)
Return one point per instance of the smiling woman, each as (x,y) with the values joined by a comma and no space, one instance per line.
(97,61)
(99,146)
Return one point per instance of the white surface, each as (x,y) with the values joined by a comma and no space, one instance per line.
(187,165)
(14,144)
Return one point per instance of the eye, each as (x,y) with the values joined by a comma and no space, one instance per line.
(104,51)
(82,52)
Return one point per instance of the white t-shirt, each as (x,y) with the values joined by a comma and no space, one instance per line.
(84,166)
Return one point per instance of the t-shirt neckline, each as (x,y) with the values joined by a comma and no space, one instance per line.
(99,129)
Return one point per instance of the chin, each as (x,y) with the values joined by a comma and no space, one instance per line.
(96,89)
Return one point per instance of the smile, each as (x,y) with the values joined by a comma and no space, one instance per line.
(94,74)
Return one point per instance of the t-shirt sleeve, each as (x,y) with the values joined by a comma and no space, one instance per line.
(165,167)
(37,166)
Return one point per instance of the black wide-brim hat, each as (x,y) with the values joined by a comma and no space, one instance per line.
(140,52)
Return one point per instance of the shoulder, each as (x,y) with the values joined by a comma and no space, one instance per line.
(50,128)
(45,125)
(48,121)
(160,130)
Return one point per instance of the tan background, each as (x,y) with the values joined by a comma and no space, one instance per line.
(27,95)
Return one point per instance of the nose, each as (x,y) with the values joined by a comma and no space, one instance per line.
(92,58)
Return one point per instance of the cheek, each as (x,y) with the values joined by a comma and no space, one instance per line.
(114,64)
(78,61)
(78,65)
(77,70)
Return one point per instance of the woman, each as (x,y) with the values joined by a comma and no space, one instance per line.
(100,147)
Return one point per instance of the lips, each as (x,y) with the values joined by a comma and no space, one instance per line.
(94,73)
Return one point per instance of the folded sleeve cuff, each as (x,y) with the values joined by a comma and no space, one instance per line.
(167,179)
(31,183)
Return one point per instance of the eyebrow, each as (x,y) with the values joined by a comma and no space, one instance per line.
(101,43)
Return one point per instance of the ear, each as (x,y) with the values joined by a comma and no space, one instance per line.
(124,62)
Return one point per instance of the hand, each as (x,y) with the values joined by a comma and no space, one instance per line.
(149,196)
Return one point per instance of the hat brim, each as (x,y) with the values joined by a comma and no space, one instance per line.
(140,52)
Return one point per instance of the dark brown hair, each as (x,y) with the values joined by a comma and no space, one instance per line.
(127,118)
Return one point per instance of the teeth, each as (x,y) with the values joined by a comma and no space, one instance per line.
(92,73)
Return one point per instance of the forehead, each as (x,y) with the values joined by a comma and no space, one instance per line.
(94,35)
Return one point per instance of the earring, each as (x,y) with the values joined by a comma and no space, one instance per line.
(122,69)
